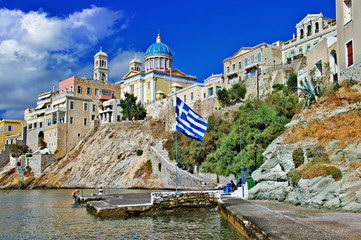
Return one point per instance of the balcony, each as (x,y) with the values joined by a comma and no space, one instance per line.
(105,95)
(55,109)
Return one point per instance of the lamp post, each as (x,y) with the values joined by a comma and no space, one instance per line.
(255,147)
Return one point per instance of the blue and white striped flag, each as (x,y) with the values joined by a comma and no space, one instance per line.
(189,122)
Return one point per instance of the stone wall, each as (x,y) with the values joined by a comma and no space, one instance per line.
(170,202)
(4,155)
(166,170)
(353,72)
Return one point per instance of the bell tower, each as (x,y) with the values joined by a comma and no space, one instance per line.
(101,66)
(135,65)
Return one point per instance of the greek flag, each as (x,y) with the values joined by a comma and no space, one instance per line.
(188,122)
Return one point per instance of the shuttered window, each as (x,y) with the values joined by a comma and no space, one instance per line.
(349,54)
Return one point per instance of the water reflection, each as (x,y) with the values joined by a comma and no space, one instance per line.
(51,214)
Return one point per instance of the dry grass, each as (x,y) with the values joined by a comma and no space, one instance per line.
(344,127)
(355,165)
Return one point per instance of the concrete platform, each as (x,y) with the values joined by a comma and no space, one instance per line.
(276,220)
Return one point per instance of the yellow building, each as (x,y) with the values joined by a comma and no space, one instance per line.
(9,127)
(158,78)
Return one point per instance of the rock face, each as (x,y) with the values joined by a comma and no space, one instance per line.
(337,128)
(116,155)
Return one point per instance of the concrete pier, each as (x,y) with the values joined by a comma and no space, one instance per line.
(150,204)
(276,220)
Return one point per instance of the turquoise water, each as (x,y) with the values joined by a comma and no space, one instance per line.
(51,214)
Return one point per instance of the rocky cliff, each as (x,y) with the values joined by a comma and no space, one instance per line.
(121,155)
(316,161)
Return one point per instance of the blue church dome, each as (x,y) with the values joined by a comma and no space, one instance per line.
(158,48)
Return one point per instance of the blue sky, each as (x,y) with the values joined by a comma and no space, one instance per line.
(42,41)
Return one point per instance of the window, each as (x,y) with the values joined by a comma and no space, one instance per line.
(161,63)
(191,96)
(79,89)
(185,98)
(317,28)
(309,30)
(9,128)
(246,76)
(71,105)
(48,122)
(239,65)
(204,95)
(259,71)
(252,59)
(89,91)
(85,121)
(71,88)
(349,52)
(301,33)
(210,91)
(71,120)
(93,107)
(50,135)
(54,134)
(259,57)
(41,124)
(132,88)
(148,85)
(1,129)
(246,62)
(253,73)
(93,117)
(96,92)
(172,102)
(218,88)
(85,106)
(34,125)
(227,69)
(308,47)
(79,135)
(300,51)
(233,67)
(347,11)
(151,63)
(166,63)
(156,62)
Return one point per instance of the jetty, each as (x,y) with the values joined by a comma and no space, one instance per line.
(255,219)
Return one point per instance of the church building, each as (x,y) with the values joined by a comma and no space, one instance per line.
(158,78)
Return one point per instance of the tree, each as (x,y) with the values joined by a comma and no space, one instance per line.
(238,92)
(292,82)
(223,97)
(131,109)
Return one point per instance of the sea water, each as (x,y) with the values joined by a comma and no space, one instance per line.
(52,214)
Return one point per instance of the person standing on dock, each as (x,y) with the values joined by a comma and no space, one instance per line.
(101,191)
(74,195)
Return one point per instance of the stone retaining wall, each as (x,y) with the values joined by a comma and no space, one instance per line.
(171,202)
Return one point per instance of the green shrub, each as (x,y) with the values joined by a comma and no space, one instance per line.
(159,167)
(334,172)
(119,156)
(139,152)
(56,151)
(318,151)
(28,168)
(278,87)
(43,147)
(297,157)
(295,176)
(226,114)
(29,155)
(148,164)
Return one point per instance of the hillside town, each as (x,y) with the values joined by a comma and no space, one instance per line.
(321,48)
(275,149)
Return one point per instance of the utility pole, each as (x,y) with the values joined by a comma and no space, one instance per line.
(257,69)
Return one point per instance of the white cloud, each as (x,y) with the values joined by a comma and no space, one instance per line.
(36,51)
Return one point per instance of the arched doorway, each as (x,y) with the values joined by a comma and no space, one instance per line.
(333,66)
(40,138)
